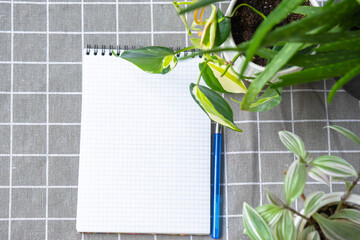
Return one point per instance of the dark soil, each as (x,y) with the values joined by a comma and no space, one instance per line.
(245,21)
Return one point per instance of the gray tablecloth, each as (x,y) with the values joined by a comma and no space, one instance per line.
(40,101)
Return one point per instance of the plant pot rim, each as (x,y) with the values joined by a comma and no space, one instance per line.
(252,68)
(328,199)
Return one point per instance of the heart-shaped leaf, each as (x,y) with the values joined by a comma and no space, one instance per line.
(223,28)
(229,83)
(152,59)
(213,105)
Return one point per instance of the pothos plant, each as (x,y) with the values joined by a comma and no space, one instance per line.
(332,216)
(325,42)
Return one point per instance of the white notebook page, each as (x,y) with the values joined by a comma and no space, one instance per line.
(144,152)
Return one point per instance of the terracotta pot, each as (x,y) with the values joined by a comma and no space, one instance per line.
(252,68)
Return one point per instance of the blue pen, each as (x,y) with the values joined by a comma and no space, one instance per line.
(215,194)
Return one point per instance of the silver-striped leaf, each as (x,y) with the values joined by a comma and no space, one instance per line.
(334,166)
(294,182)
(255,226)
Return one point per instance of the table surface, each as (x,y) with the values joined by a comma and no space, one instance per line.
(40,103)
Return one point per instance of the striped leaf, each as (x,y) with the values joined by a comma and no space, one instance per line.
(213,105)
(318,175)
(255,226)
(229,83)
(312,203)
(294,182)
(152,59)
(207,40)
(266,76)
(313,236)
(285,228)
(270,213)
(317,73)
(346,132)
(305,232)
(334,166)
(272,198)
(306,10)
(349,214)
(338,229)
(294,143)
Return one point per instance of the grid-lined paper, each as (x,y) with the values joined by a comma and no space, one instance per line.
(144,151)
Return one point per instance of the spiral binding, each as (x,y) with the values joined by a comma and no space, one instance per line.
(118,49)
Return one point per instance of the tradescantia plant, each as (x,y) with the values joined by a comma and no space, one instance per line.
(326,43)
(332,216)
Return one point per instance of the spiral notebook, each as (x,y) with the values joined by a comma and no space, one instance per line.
(144,151)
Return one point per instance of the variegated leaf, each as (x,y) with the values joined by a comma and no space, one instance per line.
(312,203)
(213,105)
(305,232)
(349,214)
(285,229)
(255,226)
(229,83)
(334,166)
(316,174)
(209,32)
(294,143)
(272,198)
(313,236)
(338,229)
(346,132)
(270,213)
(294,182)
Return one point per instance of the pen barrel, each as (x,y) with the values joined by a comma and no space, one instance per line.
(216,175)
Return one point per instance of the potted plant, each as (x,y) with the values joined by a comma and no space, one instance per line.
(323,42)
(325,216)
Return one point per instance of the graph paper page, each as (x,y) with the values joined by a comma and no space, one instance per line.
(144,151)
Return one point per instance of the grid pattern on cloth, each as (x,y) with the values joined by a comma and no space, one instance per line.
(40,115)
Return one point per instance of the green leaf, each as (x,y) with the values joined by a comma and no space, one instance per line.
(229,83)
(182,16)
(207,40)
(213,105)
(349,214)
(152,59)
(305,232)
(332,16)
(275,17)
(312,203)
(285,228)
(313,236)
(255,226)
(338,229)
(270,213)
(346,132)
(321,59)
(223,28)
(318,175)
(348,44)
(306,10)
(317,73)
(294,143)
(334,166)
(272,68)
(268,100)
(272,198)
(342,81)
(294,182)
(328,37)
(198,4)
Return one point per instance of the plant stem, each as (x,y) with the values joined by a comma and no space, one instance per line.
(201,72)
(347,194)
(230,64)
(297,213)
(184,49)
(247,5)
